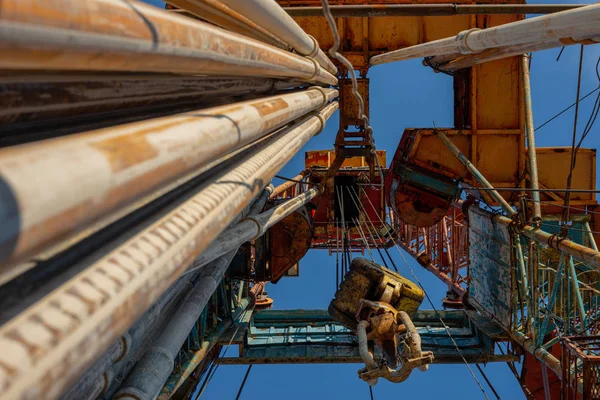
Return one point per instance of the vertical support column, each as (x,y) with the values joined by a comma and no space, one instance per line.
(529,131)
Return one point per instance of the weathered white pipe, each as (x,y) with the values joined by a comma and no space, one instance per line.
(98,379)
(270,15)
(569,27)
(48,345)
(219,14)
(115,35)
(252,228)
(90,386)
(103,171)
(152,370)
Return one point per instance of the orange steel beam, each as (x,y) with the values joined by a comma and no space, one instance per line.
(405,10)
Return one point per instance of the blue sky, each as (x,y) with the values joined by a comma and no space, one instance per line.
(407,95)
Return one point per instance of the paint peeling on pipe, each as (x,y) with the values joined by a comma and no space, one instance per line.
(581,25)
(104,170)
(47,347)
(114,35)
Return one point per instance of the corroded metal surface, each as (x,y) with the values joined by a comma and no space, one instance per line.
(223,16)
(490,258)
(111,35)
(367,280)
(114,166)
(289,240)
(81,318)
(32,97)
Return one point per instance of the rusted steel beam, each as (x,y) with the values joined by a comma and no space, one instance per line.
(581,25)
(219,14)
(406,10)
(48,345)
(31,97)
(114,167)
(287,185)
(113,35)
(270,15)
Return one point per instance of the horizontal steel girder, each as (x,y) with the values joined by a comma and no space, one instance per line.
(312,336)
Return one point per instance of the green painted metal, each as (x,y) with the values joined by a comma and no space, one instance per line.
(410,175)
(312,336)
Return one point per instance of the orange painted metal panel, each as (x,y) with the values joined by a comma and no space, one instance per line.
(553,165)
(324,159)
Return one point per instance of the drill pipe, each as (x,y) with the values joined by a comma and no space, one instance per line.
(269,14)
(48,345)
(155,366)
(114,35)
(88,386)
(287,185)
(581,25)
(98,379)
(114,167)
(219,14)
(33,97)
(252,227)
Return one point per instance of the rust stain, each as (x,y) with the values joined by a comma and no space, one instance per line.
(265,108)
(126,151)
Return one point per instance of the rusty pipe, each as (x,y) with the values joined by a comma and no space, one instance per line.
(155,366)
(580,25)
(114,35)
(32,97)
(219,14)
(252,228)
(269,14)
(287,185)
(76,322)
(403,10)
(539,353)
(115,166)
(530,134)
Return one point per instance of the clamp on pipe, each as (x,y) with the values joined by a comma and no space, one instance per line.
(317,70)
(315,47)
(461,41)
(323,93)
(260,230)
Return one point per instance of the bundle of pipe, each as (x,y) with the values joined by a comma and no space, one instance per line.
(259,13)
(112,35)
(98,381)
(153,369)
(48,345)
(475,46)
(39,105)
(219,14)
(114,167)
